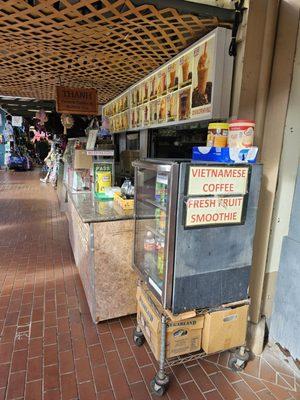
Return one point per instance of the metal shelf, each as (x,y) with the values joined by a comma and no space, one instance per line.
(155,204)
(155,232)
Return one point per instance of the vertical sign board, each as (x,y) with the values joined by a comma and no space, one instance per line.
(80,101)
(216,195)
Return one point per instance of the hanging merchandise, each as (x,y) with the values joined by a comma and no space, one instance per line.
(17,121)
(8,131)
(41,116)
(104,131)
(92,132)
(67,122)
(40,132)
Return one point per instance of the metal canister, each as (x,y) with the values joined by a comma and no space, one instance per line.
(241,133)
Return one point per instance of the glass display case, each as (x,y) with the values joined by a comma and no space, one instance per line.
(156,188)
(188,265)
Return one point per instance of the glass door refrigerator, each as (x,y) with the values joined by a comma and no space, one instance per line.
(194,229)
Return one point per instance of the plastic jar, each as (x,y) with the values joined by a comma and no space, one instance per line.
(217,134)
(241,133)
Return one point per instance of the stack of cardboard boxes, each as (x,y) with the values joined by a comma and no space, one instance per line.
(211,331)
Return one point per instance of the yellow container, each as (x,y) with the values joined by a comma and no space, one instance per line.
(220,141)
(217,134)
(125,204)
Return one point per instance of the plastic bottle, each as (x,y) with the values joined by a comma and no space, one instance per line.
(162,222)
(164,195)
(160,248)
(157,191)
(149,252)
(126,186)
(157,218)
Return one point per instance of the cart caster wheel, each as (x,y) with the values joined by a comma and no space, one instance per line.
(238,362)
(138,338)
(158,389)
(233,350)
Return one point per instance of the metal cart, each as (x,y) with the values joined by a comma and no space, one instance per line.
(193,240)
(159,384)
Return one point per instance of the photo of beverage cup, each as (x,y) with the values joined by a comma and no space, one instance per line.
(145,92)
(172,77)
(153,89)
(202,70)
(162,113)
(153,111)
(186,70)
(141,116)
(184,104)
(163,83)
(172,106)
(202,87)
(133,118)
(146,115)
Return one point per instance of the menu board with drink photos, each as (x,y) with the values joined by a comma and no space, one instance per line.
(193,86)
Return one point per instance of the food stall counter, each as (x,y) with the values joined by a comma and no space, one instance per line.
(92,210)
(101,236)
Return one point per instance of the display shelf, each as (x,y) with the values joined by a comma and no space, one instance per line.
(152,277)
(154,203)
(155,232)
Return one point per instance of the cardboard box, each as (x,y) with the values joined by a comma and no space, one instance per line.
(183,334)
(225,329)
(225,154)
(82,160)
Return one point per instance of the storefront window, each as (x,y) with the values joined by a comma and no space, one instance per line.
(132,141)
(176,142)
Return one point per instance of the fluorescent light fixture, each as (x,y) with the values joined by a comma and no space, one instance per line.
(46,111)
(8,97)
(16,98)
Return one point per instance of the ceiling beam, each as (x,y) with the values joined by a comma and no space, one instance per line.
(186,7)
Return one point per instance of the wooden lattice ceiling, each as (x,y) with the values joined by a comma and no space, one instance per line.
(108,44)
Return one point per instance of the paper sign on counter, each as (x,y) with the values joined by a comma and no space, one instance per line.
(215,180)
(214,211)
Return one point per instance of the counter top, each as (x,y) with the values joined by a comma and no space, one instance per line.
(92,210)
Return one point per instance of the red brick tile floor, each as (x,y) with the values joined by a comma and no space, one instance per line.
(49,347)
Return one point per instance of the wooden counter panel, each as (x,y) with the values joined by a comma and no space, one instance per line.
(115,280)
(80,242)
